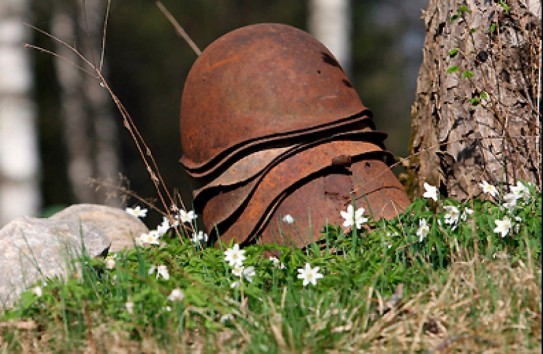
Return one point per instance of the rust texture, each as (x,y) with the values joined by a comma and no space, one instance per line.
(249,78)
(270,126)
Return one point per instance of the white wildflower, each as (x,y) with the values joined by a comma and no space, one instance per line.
(520,190)
(516,228)
(503,226)
(452,215)
(129,307)
(138,211)
(237,270)
(226,318)
(309,275)
(186,217)
(37,291)
(249,273)
(288,219)
(161,271)
(353,218)
(430,192)
(277,263)
(423,229)
(510,200)
(163,227)
(392,233)
(488,188)
(110,262)
(176,295)
(234,256)
(465,213)
(200,237)
(150,238)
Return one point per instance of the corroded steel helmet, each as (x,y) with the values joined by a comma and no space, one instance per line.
(261,83)
(270,125)
(368,182)
(313,191)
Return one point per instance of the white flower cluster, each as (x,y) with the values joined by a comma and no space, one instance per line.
(277,263)
(235,257)
(453,215)
(153,236)
(519,192)
(518,195)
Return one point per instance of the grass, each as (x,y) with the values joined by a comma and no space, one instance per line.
(462,289)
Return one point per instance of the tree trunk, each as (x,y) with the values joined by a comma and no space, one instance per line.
(89,128)
(477,110)
(19,157)
(330,22)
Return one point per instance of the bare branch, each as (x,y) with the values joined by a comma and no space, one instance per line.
(104,36)
(47,51)
(178,28)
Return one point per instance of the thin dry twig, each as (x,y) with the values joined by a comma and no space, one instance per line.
(104,36)
(96,72)
(178,28)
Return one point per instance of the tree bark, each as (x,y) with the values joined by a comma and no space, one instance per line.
(89,129)
(19,156)
(478,106)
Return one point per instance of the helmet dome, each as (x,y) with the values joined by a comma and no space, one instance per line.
(261,82)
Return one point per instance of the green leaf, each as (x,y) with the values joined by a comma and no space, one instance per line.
(463,8)
(483,95)
(453,52)
(475,101)
(452,69)
(505,7)
(492,28)
(467,74)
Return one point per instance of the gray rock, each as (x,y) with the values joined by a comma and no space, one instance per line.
(120,227)
(32,249)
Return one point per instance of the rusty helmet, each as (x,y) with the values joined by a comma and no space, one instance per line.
(367,182)
(270,125)
(313,186)
(260,84)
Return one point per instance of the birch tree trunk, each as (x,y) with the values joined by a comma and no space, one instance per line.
(19,156)
(89,128)
(330,22)
(478,106)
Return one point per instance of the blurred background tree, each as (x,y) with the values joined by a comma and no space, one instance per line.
(147,63)
(89,129)
(19,155)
